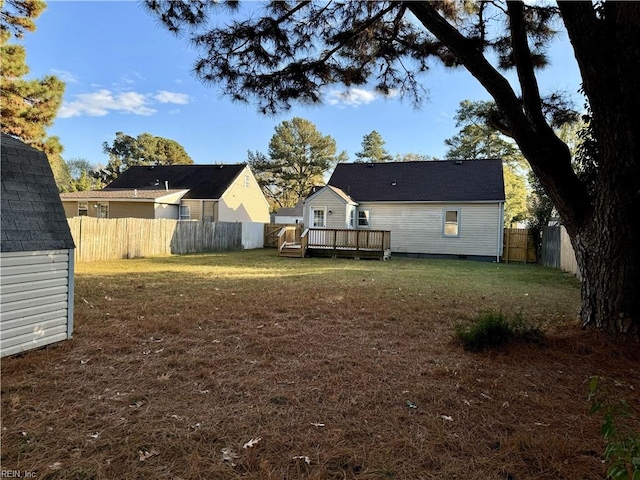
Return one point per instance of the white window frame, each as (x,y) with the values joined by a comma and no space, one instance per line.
(182,216)
(83,207)
(450,223)
(246,181)
(312,219)
(364,219)
(352,217)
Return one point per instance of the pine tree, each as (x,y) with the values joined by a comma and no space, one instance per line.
(373,149)
(28,107)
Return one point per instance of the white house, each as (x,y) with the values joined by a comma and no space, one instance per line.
(433,208)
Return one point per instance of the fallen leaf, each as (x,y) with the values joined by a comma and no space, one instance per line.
(145,454)
(447,418)
(56,466)
(252,442)
(228,455)
(95,435)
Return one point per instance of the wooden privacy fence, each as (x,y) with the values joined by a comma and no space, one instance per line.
(100,239)
(557,251)
(519,245)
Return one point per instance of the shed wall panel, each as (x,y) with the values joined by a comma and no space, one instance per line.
(34,306)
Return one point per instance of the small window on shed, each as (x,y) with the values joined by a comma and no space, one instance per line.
(451,227)
(363,218)
(83,209)
(185,212)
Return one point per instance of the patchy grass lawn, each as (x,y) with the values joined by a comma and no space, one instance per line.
(322,369)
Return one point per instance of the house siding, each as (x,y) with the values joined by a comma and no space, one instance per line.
(162,210)
(37,299)
(196,208)
(417,228)
(241,203)
(327,198)
(130,209)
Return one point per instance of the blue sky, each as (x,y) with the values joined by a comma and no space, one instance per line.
(126,73)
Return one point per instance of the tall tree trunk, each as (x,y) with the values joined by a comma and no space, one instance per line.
(599,215)
(607,242)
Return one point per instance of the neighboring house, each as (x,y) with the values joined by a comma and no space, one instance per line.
(215,193)
(289,215)
(36,253)
(449,208)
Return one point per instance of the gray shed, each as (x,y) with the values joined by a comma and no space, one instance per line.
(36,254)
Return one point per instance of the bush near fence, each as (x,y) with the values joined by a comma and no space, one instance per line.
(99,239)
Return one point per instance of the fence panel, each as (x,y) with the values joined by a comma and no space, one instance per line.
(519,246)
(557,251)
(115,238)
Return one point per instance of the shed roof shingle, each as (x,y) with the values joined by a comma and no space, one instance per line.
(429,181)
(203,181)
(32,214)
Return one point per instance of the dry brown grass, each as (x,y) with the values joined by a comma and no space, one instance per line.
(175,359)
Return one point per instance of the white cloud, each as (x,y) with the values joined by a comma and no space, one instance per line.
(355,97)
(100,103)
(65,76)
(172,97)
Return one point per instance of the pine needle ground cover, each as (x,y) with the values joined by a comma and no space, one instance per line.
(246,365)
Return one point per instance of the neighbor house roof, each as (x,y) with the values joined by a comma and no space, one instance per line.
(117,194)
(203,181)
(32,214)
(428,181)
(295,211)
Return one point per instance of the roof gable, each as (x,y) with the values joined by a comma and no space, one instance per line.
(333,189)
(428,181)
(202,181)
(32,214)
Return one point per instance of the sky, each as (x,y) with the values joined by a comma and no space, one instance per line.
(126,73)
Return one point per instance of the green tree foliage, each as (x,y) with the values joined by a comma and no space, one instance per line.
(413,157)
(478,139)
(145,149)
(373,149)
(83,175)
(28,107)
(299,156)
(290,51)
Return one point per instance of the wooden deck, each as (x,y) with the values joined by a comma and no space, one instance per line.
(335,243)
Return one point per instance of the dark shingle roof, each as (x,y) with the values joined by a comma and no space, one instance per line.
(32,214)
(430,181)
(203,181)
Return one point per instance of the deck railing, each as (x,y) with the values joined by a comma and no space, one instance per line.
(334,242)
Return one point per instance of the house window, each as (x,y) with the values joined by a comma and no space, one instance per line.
(185,212)
(318,217)
(83,209)
(352,218)
(363,218)
(103,210)
(451,224)
(246,181)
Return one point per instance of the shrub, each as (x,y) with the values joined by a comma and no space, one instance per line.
(493,330)
(622,452)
